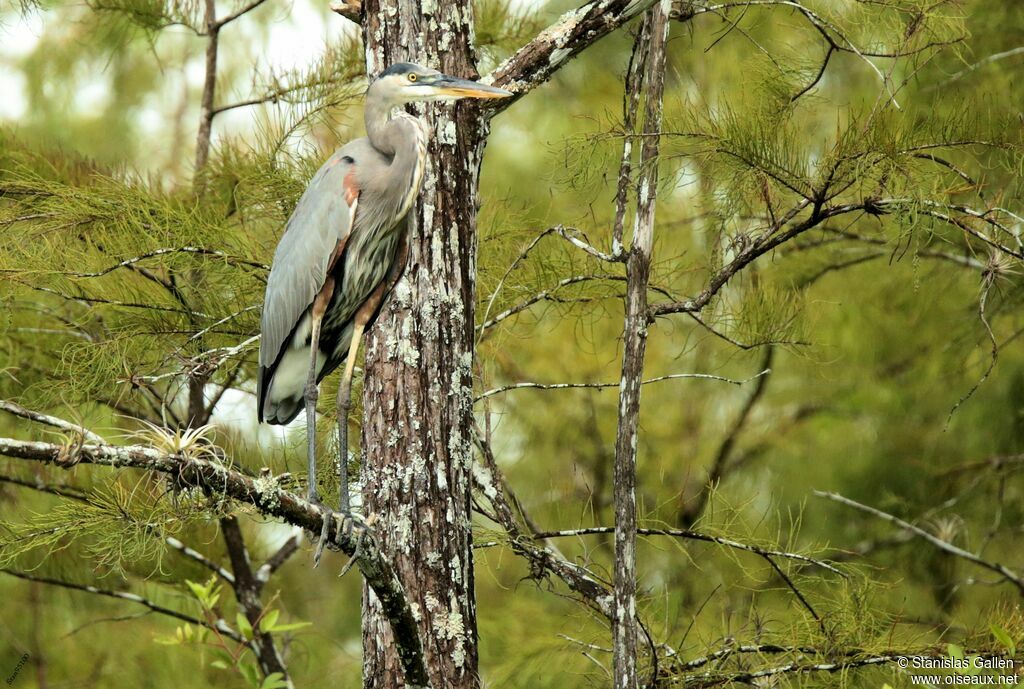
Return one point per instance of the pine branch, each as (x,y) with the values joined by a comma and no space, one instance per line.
(73,493)
(270,500)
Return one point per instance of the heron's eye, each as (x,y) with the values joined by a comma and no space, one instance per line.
(412,77)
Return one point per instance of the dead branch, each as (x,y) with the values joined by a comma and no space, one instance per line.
(535,62)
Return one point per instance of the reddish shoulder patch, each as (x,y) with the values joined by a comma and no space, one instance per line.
(351,187)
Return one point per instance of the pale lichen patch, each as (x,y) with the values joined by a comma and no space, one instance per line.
(268,491)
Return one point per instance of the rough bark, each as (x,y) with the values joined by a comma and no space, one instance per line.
(416,439)
(638,266)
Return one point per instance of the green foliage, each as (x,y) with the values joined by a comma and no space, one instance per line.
(124,279)
(118,528)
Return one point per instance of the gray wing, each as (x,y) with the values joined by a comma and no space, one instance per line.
(322,219)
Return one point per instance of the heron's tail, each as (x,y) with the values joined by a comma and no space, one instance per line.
(281,390)
(283,411)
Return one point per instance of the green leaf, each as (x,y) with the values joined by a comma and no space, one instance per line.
(269,620)
(223,657)
(201,592)
(251,674)
(275,680)
(243,625)
(198,590)
(955,651)
(1003,637)
(291,626)
(219,664)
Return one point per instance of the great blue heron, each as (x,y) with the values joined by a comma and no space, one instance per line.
(340,253)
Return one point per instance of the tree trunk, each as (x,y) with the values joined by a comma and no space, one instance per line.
(653,37)
(416,462)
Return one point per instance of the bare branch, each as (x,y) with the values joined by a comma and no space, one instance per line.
(544,295)
(817,77)
(238,13)
(350,9)
(535,62)
(69,492)
(219,625)
(651,40)
(571,235)
(854,658)
(206,113)
(695,536)
(201,559)
(1008,574)
(247,594)
(280,556)
(995,57)
(128,262)
(491,484)
(711,679)
(603,386)
(689,513)
(18,410)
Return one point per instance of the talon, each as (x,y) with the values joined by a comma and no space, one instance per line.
(322,541)
(358,551)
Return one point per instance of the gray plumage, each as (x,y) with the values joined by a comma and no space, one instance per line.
(347,226)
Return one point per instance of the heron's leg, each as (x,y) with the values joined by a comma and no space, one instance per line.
(310,396)
(344,405)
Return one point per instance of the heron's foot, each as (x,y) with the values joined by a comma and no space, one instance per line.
(349,524)
(322,541)
(354,524)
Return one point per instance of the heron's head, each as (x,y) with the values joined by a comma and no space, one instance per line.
(405,82)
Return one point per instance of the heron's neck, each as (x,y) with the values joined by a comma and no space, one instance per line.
(395,133)
(403,138)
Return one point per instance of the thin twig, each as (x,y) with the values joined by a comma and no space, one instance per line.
(603,386)
(219,625)
(18,410)
(1005,572)
(694,536)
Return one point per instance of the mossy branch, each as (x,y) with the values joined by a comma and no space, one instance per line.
(269,499)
